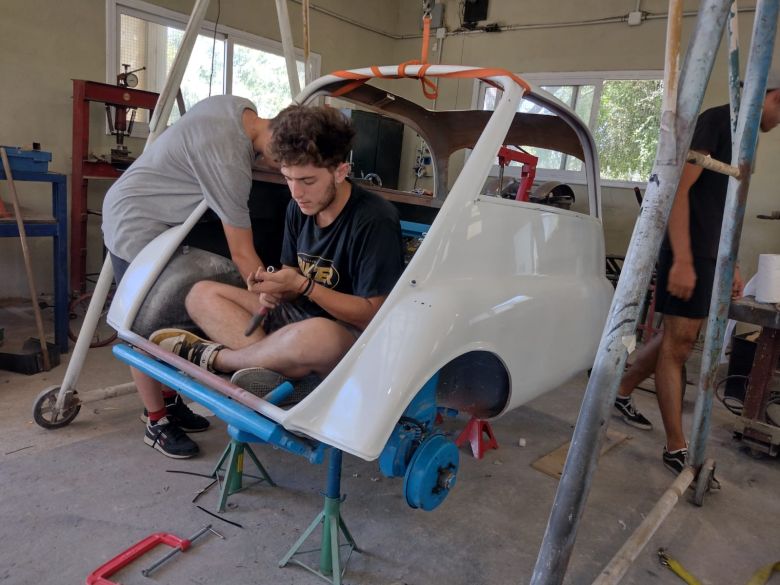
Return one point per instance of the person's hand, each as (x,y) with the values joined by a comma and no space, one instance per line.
(268,301)
(255,278)
(284,281)
(737,285)
(682,280)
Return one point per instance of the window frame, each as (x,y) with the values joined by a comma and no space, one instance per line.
(166,17)
(595,78)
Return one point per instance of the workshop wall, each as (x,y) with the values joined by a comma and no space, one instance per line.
(40,53)
(45,44)
(594,47)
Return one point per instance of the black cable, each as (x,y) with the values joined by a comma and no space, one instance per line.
(214,44)
(218,517)
(189,473)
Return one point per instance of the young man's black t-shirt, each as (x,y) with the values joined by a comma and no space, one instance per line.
(360,253)
(707,196)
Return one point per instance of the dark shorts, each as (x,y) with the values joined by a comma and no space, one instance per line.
(698,306)
(287,313)
(120,267)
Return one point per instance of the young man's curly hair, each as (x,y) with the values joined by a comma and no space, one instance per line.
(316,135)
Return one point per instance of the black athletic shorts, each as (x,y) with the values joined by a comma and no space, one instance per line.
(698,306)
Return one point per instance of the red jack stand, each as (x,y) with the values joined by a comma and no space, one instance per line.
(473,433)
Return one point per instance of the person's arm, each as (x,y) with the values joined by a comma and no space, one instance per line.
(682,276)
(242,250)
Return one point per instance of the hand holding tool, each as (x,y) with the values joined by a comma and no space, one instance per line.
(257,319)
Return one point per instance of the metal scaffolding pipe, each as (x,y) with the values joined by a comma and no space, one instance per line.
(628,553)
(707,162)
(288,47)
(743,155)
(619,336)
(734,89)
(162,111)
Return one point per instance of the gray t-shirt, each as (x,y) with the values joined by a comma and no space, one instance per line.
(205,155)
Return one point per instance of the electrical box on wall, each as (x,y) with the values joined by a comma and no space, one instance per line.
(474,11)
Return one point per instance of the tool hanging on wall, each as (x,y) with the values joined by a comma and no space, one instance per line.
(27,260)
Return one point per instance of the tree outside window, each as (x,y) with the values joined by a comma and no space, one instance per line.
(623,115)
(152,41)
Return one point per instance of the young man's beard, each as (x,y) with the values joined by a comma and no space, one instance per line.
(330,196)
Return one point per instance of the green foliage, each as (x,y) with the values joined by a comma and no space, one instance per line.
(626,131)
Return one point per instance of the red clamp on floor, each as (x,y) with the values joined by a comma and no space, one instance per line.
(100,575)
(474,433)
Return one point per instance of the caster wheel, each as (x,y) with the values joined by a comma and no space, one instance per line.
(44,408)
(104,333)
(704,482)
(431,473)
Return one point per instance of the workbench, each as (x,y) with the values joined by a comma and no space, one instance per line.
(56,227)
(753,428)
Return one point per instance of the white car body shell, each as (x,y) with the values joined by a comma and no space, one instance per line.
(519,281)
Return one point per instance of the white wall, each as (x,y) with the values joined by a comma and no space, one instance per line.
(44,44)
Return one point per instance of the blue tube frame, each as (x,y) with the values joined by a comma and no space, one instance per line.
(233,413)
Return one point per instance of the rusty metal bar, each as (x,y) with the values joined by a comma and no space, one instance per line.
(734,85)
(622,561)
(619,337)
(707,162)
(743,156)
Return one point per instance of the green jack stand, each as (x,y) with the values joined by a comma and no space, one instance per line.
(233,459)
(330,558)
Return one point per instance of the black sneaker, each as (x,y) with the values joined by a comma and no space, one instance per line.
(260,381)
(675,460)
(180,414)
(167,438)
(631,416)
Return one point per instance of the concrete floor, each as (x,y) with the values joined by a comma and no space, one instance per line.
(70,499)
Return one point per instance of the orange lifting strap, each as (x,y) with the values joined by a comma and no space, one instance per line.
(429,88)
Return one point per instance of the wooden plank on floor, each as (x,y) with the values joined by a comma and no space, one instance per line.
(552,463)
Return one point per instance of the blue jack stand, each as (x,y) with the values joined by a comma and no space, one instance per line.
(330,558)
(233,459)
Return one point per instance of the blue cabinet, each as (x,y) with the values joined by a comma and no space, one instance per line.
(56,228)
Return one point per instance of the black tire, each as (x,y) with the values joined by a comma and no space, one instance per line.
(43,409)
(104,333)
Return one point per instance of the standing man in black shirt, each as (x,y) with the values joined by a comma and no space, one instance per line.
(342,254)
(686,273)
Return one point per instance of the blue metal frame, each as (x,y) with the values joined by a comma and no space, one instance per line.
(59,232)
(412,228)
(233,413)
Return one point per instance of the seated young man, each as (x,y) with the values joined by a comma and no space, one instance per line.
(342,254)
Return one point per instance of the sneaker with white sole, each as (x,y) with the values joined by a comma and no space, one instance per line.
(675,460)
(197,350)
(630,415)
(260,381)
(180,414)
(167,438)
